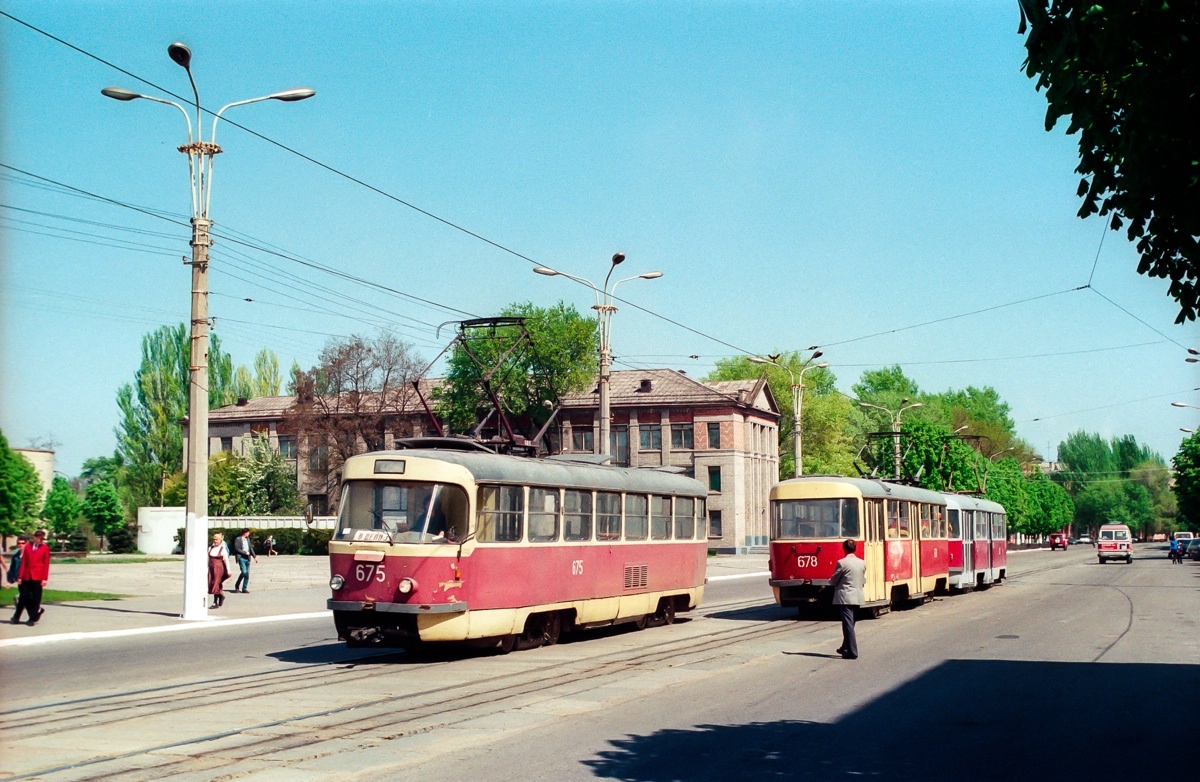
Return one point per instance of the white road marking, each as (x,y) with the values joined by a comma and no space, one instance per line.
(759,574)
(35,640)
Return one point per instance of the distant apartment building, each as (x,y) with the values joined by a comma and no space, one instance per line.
(725,434)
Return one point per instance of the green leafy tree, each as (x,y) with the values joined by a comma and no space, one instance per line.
(561,358)
(1053,509)
(260,482)
(62,508)
(1125,73)
(1007,485)
(1187,482)
(20,492)
(267,378)
(1113,502)
(149,435)
(825,413)
(102,509)
(123,538)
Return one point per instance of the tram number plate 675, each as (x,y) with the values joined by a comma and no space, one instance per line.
(577,567)
(806,560)
(366,572)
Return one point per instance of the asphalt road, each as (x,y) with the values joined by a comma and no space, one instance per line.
(1069,670)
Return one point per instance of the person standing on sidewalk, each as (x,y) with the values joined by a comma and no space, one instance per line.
(14,562)
(34,573)
(218,569)
(847,583)
(243,549)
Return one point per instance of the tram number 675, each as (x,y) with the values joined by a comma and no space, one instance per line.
(806,560)
(366,572)
(577,567)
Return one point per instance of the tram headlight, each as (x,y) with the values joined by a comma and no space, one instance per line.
(336,583)
(406,586)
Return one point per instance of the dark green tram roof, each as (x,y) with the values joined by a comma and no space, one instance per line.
(527,471)
(875,488)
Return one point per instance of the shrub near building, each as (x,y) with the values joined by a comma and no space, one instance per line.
(288,540)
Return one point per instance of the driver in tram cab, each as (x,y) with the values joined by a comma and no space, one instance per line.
(436,525)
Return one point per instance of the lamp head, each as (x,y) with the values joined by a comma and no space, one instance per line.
(904,401)
(815,355)
(823,365)
(546,270)
(181,55)
(651,275)
(757,360)
(917,404)
(1180,404)
(116,93)
(288,96)
(618,258)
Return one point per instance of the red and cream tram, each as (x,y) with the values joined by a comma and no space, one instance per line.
(978,541)
(436,544)
(900,530)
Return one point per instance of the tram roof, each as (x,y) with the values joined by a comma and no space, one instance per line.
(869,488)
(523,470)
(971,502)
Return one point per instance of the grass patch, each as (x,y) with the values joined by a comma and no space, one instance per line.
(8,596)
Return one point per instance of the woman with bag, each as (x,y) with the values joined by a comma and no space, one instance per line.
(218,569)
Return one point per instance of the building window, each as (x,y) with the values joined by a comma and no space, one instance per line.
(287,446)
(618,445)
(714,478)
(318,458)
(714,524)
(682,437)
(226,443)
(650,437)
(582,440)
(319,503)
(714,435)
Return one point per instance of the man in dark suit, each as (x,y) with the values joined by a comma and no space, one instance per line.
(847,584)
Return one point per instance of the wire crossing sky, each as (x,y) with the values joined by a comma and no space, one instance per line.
(872,177)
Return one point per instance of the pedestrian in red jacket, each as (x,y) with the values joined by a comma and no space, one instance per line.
(35,572)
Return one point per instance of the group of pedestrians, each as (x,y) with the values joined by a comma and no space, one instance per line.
(29,569)
(218,564)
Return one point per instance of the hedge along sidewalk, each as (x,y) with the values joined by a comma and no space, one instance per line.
(288,540)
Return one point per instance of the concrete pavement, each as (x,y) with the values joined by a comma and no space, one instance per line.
(280,587)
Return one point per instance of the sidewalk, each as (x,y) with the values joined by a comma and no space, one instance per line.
(281,588)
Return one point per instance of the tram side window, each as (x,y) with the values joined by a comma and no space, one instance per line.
(955,529)
(701,519)
(543,515)
(577,515)
(939,521)
(981,525)
(608,516)
(893,520)
(637,516)
(876,518)
(997,527)
(660,518)
(685,518)
(849,518)
(501,509)
(905,520)
(926,521)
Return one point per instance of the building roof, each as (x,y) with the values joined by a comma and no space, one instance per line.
(629,388)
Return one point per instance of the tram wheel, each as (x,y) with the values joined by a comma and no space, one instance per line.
(665,615)
(505,644)
(641,622)
(551,628)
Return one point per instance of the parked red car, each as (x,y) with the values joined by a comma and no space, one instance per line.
(1058,540)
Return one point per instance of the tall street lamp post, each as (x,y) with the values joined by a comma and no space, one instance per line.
(797,400)
(604,308)
(895,428)
(200,159)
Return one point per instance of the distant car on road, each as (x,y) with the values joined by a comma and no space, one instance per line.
(1115,542)
(1084,539)
(1058,541)
(1193,549)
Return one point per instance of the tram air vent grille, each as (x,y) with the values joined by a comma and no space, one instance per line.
(637,576)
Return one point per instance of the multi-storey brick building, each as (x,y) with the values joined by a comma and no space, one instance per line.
(725,434)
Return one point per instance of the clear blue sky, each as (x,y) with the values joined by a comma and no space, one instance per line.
(802,173)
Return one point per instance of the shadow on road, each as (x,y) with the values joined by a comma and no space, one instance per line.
(1003,720)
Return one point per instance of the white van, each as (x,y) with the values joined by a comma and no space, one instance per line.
(1115,541)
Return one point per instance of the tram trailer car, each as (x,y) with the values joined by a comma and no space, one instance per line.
(445,545)
(978,541)
(901,533)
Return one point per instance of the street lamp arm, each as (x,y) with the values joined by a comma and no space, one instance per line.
(116,93)
(876,407)
(613,291)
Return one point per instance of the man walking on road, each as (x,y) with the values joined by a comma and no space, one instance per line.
(847,583)
(243,549)
(35,572)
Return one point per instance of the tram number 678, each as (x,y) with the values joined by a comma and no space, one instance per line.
(806,560)
(577,567)
(365,572)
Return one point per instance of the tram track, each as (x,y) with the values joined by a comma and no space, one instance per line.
(197,695)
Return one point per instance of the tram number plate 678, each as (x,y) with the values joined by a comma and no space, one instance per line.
(806,560)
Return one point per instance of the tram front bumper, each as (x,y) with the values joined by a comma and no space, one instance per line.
(396,608)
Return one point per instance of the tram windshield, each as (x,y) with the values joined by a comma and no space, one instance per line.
(813,519)
(402,512)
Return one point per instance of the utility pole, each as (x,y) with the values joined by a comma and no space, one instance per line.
(200,159)
(797,400)
(895,418)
